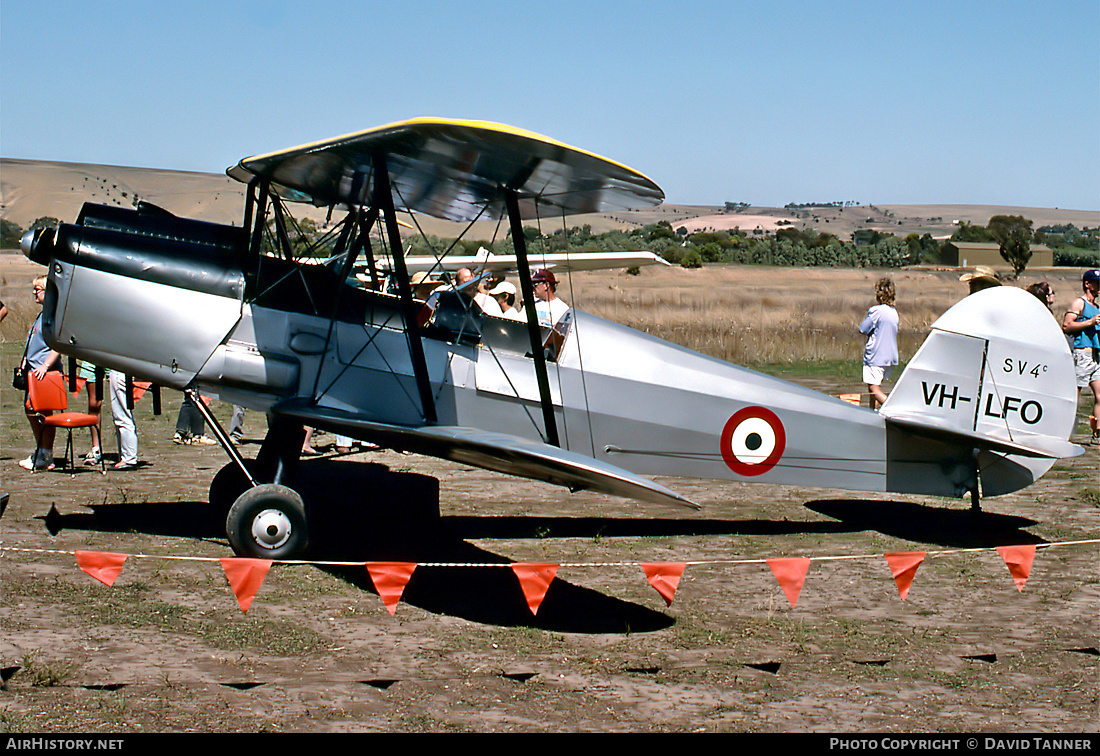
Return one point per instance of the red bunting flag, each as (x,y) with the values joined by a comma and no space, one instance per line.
(664,577)
(535,580)
(103,566)
(389,580)
(903,566)
(791,574)
(1018,559)
(140,387)
(245,578)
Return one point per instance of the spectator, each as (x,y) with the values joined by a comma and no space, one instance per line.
(1081,323)
(880,326)
(1044,293)
(981,278)
(190,425)
(39,359)
(125,427)
(236,424)
(485,300)
(87,371)
(505,295)
(548,306)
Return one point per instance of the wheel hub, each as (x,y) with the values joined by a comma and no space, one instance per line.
(271,529)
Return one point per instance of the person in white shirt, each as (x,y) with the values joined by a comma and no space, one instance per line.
(548,306)
(485,299)
(880,354)
(505,295)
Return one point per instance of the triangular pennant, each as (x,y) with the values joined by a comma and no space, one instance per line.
(535,580)
(664,577)
(245,578)
(140,387)
(791,574)
(389,580)
(80,382)
(1018,559)
(903,565)
(103,566)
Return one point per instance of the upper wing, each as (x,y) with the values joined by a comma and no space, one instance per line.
(492,451)
(455,170)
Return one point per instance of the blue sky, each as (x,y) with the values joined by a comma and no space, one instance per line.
(763,102)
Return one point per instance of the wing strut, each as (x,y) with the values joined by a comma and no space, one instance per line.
(383,200)
(511,199)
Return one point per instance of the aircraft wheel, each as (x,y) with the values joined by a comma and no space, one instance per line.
(228,484)
(267,522)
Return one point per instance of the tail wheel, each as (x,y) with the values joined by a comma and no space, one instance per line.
(268,522)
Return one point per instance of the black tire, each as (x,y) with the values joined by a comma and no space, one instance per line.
(268,522)
(228,484)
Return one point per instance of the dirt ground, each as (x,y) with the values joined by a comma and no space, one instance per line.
(167,648)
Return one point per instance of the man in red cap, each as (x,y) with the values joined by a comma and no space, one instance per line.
(548,306)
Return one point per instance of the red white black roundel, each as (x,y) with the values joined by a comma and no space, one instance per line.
(753,441)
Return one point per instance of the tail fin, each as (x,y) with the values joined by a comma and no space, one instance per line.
(996,373)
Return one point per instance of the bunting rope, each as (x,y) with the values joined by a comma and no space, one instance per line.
(246,575)
(481,565)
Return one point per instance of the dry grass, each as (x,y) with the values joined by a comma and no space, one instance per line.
(755,315)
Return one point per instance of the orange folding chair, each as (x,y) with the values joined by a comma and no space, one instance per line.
(49,395)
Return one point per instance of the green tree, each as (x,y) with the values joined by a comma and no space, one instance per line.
(968,232)
(46,221)
(10,233)
(659,230)
(692,259)
(1013,235)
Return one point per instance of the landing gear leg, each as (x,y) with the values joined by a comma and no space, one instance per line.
(281,450)
(276,462)
(975,491)
(975,501)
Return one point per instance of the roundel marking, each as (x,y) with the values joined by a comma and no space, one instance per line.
(753,440)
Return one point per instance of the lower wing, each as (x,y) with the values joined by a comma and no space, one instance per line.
(499,452)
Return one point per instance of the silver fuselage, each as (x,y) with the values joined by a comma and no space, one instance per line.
(634,401)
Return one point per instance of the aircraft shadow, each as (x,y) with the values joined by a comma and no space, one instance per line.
(939,526)
(365,511)
(400,521)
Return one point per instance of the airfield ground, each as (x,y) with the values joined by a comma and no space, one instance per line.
(168,649)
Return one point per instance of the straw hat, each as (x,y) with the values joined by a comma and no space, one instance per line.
(981,273)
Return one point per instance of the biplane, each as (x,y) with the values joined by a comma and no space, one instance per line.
(984,408)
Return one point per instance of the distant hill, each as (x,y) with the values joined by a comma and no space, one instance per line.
(31,189)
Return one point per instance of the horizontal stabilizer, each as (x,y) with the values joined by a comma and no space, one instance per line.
(1034,446)
(490,451)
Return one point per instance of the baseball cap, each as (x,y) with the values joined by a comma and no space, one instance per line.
(541,275)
